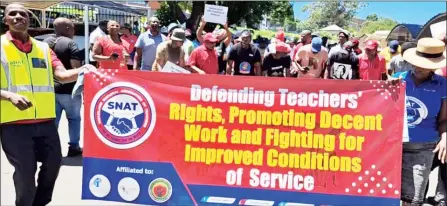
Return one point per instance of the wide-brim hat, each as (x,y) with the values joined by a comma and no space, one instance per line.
(429,54)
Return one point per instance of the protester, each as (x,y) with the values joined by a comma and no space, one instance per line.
(224,39)
(343,37)
(204,60)
(277,64)
(129,41)
(146,46)
(100,31)
(136,28)
(398,64)
(171,50)
(188,46)
(67,51)
(244,58)
(28,133)
(310,60)
(391,51)
(343,64)
(426,118)
(355,47)
(441,187)
(279,37)
(372,66)
(110,51)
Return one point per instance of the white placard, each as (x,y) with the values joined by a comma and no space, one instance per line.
(438,29)
(173,68)
(215,14)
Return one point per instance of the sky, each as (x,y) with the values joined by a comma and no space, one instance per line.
(402,12)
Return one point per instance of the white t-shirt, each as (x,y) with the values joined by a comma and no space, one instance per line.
(93,36)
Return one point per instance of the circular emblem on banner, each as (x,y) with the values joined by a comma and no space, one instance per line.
(122,115)
(244,68)
(99,186)
(160,190)
(416,111)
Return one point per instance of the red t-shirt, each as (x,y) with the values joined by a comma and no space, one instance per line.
(371,69)
(204,59)
(129,42)
(108,48)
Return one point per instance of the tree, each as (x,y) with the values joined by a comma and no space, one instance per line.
(326,13)
(372,17)
(250,12)
(281,12)
(369,27)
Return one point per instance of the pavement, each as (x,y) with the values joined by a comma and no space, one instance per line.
(69,183)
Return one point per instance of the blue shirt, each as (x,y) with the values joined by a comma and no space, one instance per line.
(423,103)
(149,43)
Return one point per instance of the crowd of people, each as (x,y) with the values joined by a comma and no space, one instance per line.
(32,103)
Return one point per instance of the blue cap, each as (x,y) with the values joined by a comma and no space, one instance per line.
(316,44)
(394,46)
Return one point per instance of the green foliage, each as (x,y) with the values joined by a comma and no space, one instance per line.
(326,13)
(250,12)
(370,27)
(281,12)
(372,17)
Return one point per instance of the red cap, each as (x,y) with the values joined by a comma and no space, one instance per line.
(282,47)
(280,36)
(209,37)
(355,42)
(371,44)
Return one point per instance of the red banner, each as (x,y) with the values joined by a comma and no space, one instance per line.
(179,139)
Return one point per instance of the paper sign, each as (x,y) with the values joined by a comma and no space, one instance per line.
(215,14)
(438,29)
(173,68)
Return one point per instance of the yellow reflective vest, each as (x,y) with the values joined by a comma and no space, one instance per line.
(30,75)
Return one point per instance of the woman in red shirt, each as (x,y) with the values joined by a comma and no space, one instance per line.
(109,50)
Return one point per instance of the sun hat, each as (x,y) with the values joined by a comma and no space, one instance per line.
(429,54)
(316,44)
(209,37)
(282,47)
(178,35)
(372,44)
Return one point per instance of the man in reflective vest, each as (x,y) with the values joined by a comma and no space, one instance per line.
(28,133)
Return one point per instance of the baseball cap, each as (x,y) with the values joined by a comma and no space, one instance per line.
(209,37)
(127,26)
(178,35)
(371,44)
(280,36)
(173,26)
(394,46)
(316,44)
(282,47)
